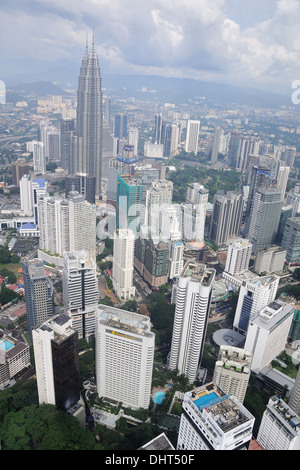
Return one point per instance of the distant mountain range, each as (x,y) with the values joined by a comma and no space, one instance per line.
(172,90)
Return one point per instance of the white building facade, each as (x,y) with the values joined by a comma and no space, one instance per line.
(124,356)
(123,263)
(191,295)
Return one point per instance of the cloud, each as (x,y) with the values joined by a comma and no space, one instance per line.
(201,39)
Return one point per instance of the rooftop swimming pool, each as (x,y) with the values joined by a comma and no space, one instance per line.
(201,401)
(6,345)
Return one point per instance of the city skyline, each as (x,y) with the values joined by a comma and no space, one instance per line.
(250,46)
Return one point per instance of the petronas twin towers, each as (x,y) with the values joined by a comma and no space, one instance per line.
(87,139)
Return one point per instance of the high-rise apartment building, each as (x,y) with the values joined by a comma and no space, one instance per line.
(192,136)
(248,144)
(39,293)
(238,257)
(254,295)
(39,157)
(124,356)
(264,218)
(226,217)
(123,263)
(67,224)
(176,259)
(280,427)
(193,213)
(232,371)
(213,420)
(87,139)
(192,297)
(157,196)
(268,332)
(55,346)
(80,292)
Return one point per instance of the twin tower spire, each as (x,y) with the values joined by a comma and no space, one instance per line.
(87,155)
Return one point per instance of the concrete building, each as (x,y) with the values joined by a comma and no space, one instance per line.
(39,293)
(67,224)
(193,213)
(80,292)
(55,346)
(279,428)
(270,260)
(213,420)
(124,357)
(268,332)
(216,144)
(123,263)
(158,195)
(83,184)
(226,217)
(39,158)
(232,371)
(254,295)
(291,240)
(238,257)
(192,296)
(19,169)
(14,358)
(192,136)
(176,259)
(265,218)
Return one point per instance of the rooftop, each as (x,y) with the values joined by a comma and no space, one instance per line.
(123,320)
(198,272)
(224,409)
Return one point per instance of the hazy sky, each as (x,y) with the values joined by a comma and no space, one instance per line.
(246,42)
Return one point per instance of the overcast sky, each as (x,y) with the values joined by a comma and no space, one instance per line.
(246,42)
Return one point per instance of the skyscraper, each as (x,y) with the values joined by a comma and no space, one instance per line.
(83,184)
(55,346)
(232,371)
(67,127)
(129,197)
(38,293)
(213,420)
(192,296)
(80,291)
(280,427)
(87,141)
(264,218)
(226,217)
(192,137)
(124,356)
(123,262)
(254,295)
(39,157)
(216,144)
(268,332)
